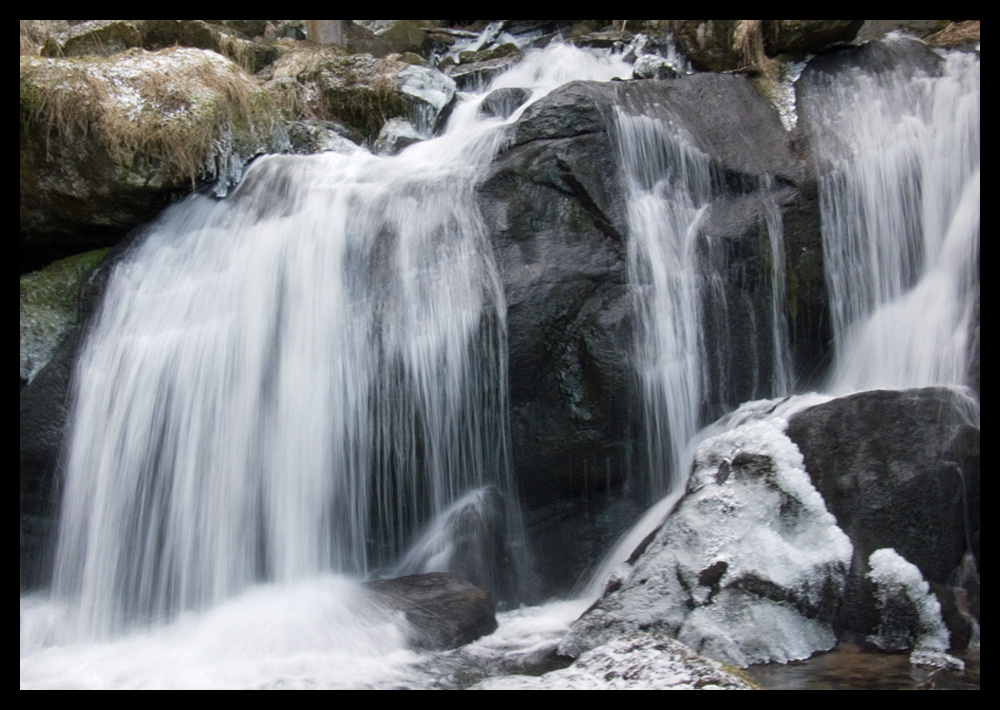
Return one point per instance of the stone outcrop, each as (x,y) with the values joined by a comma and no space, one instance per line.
(444,610)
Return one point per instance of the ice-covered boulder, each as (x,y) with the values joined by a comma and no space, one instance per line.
(749,568)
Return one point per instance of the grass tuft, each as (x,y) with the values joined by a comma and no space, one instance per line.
(164,111)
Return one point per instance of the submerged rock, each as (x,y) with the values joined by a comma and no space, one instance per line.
(444,610)
(470,538)
(637,661)
(503,102)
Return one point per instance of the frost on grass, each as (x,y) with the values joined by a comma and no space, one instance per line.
(909,614)
(182,113)
(748,569)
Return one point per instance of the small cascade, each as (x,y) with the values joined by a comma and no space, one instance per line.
(674,270)
(900,209)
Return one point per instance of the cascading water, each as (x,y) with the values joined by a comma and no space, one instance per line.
(295,381)
(674,265)
(900,209)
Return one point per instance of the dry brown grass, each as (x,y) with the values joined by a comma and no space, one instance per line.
(35,32)
(748,42)
(165,110)
(957,34)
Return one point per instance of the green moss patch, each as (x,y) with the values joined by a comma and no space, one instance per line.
(49,304)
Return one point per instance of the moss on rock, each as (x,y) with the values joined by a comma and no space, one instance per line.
(49,304)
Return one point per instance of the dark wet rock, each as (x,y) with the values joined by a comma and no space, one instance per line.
(444,610)
(471,539)
(503,102)
(799,36)
(900,470)
(555,205)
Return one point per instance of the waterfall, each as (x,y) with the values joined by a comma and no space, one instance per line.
(294,380)
(900,216)
(674,265)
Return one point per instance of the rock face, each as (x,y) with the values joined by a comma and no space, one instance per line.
(444,610)
(900,470)
(749,568)
(556,206)
(49,305)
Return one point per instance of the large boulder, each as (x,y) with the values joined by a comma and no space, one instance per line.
(748,568)
(556,206)
(105,144)
(444,610)
(800,36)
(93,37)
(899,470)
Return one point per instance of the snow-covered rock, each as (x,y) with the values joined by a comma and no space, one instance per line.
(748,569)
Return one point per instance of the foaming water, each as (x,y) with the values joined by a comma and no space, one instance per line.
(323,633)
